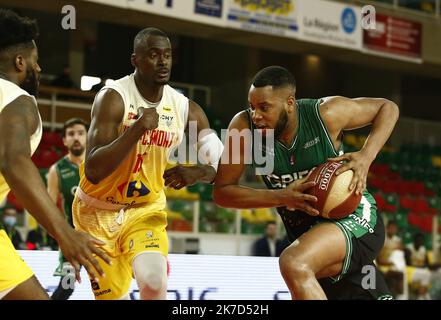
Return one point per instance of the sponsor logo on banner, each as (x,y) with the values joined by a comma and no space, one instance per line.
(273,17)
(197,11)
(348,20)
(209,7)
(330,23)
(394,37)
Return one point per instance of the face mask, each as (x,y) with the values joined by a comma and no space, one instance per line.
(10,221)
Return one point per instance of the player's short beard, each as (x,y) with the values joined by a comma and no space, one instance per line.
(30,83)
(281,123)
(77,152)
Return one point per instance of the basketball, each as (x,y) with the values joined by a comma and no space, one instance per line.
(334,199)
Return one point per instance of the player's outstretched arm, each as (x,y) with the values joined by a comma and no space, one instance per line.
(229,193)
(340,113)
(17,121)
(105,148)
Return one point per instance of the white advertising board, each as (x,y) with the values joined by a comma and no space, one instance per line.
(192,277)
(330,23)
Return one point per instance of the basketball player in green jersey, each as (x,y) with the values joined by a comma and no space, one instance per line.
(63,179)
(327,258)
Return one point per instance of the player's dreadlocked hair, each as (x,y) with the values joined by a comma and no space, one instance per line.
(16,31)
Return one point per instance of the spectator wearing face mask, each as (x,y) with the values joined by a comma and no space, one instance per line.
(8,223)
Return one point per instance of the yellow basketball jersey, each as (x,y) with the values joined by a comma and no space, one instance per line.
(138,179)
(9,92)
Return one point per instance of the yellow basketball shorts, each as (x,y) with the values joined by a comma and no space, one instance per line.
(127,233)
(13,270)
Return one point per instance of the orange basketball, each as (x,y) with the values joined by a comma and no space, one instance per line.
(334,199)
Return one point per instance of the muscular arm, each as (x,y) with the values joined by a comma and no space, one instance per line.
(105,149)
(17,122)
(181,176)
(228,192)
(340,113)
(195,113)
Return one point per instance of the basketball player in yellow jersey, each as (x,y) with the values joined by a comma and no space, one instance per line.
(136,121)
(20,134)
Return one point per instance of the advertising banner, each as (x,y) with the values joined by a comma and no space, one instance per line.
(330,23)
(397,37)
(192,277)
(198,11)
(277,17)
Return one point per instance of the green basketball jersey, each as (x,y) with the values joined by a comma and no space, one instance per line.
(311,146)
(68,181)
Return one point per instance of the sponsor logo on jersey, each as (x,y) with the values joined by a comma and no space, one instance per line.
(113,201)
(97,294)
(152,245)
(279,182)
(158,138)
(362,222)
(132,116)
(311,143)
(95,285)
(167,119)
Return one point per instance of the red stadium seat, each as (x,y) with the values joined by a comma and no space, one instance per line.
(416,188)
(11,199)
(381,203)
(375,182)
(406,202)
(403,187)
(48,158)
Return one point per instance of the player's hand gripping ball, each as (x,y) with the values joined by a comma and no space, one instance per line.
(334,199)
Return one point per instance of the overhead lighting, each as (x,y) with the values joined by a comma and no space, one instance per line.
(87,82)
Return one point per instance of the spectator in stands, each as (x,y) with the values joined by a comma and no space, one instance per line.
(392,244)
(269,245)
(9,221)
(391,261)
(39,239)
(417,257)
(64,80)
